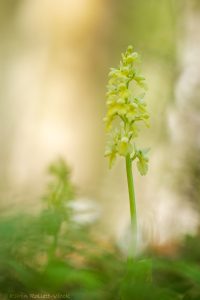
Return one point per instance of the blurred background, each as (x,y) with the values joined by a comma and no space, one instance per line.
(55,57)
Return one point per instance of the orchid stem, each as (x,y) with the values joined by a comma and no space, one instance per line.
(132,202)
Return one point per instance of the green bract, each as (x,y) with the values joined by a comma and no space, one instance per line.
(126,109)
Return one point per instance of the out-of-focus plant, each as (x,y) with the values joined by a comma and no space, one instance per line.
(59,193)
(126,109)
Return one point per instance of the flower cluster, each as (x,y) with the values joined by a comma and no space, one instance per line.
(125,110)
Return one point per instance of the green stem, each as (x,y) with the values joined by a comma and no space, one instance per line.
(132,202)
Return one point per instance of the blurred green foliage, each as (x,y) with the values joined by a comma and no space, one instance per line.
(50,253)
(182,272)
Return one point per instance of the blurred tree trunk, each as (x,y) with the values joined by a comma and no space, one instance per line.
(184,118)
(177,191)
